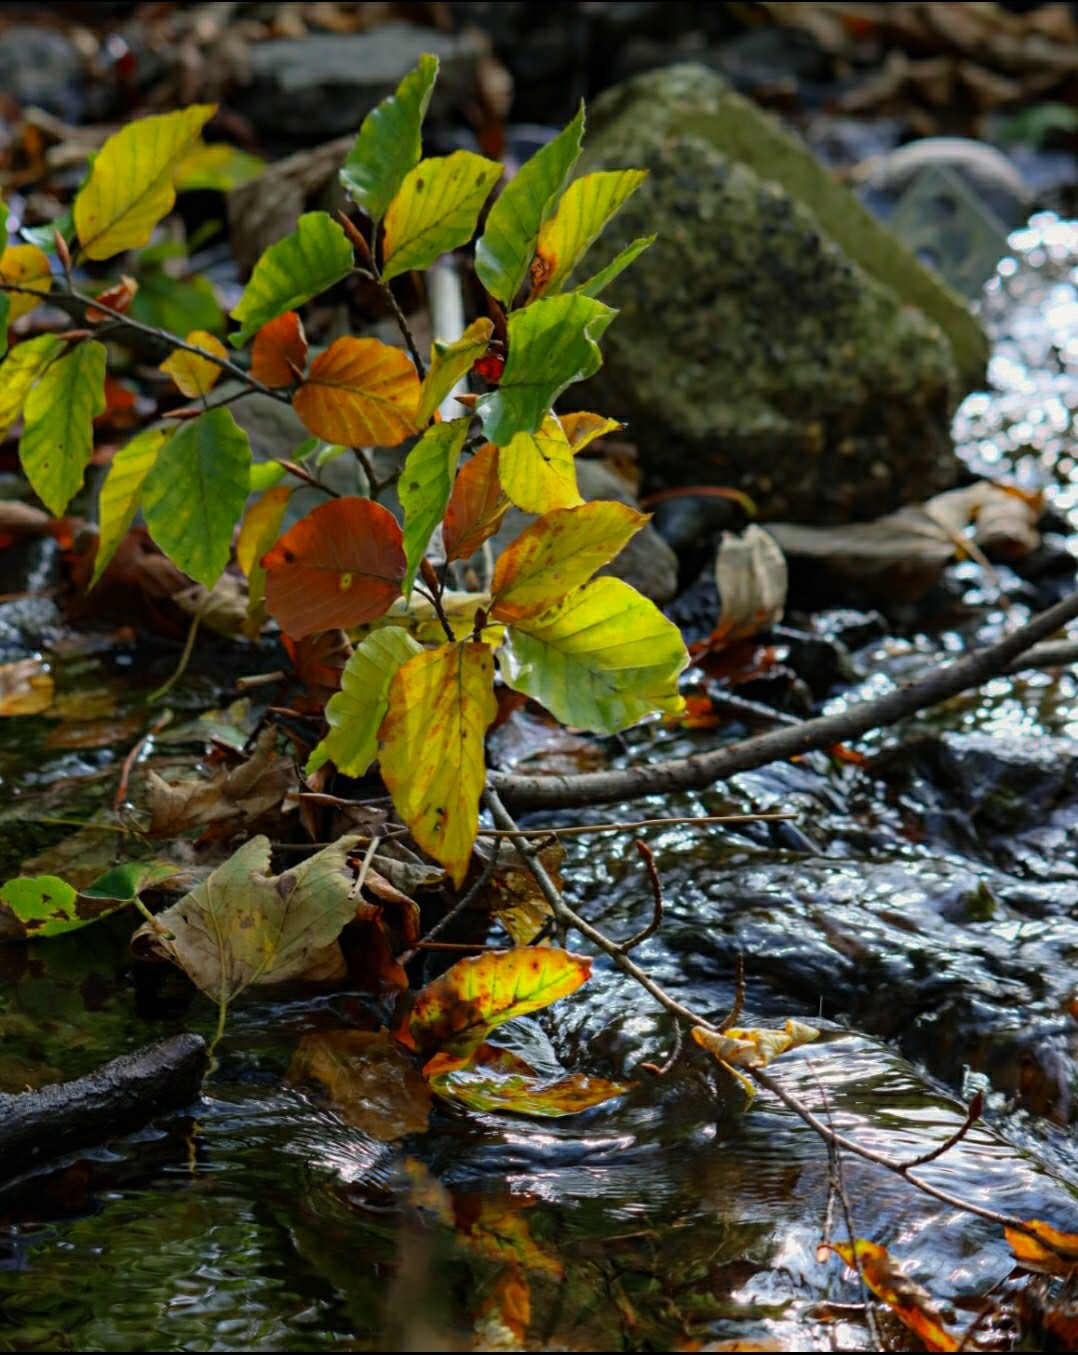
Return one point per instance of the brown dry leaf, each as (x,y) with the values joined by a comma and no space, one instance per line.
(222,609)
(372,1082)
(907,1300)
(253,788)
(513,894)
(372,966)
(26,687)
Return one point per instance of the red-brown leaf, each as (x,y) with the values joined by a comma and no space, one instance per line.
(279,352)
(476,506)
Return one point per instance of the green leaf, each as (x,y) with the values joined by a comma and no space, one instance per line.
(449,363)
(266,474)
(425,485)
(48,906)
(388,144)
(585,208)
(507,245)
(58,437)
(618,264)
(358,709)
(22,367)
(195,492)
(436,210)
(552,343)
(44,236)
(498,1079)
(314,257)
(601,660)
(121,493)
(176,305)
(130,185)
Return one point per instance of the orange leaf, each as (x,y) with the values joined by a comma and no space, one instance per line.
(117,297)
(476,506)
(1050,1252)
(907,1300)
(279,352)
(341,565)
(360,392)
(581,428)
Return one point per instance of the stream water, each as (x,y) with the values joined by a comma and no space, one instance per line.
(920,910)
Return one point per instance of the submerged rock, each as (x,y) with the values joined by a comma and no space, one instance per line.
(774,338)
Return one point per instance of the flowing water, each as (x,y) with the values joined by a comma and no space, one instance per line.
(919,910)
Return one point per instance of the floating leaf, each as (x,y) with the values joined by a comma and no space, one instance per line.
(601,280)
(48,906)
(360,392)
(260,529)
(122,492)
(1051,1252)
(907,1300)
(601,660)
(440,706)
(196,490)
(358,709)
(502,1321)
(24,266)
(436,209)
(454,1015)
(130,186)
(26,687)
(754,1047)
(537,470)
(449,363)
(582,428)
(552,343)
(279,352)
(388,144)
(476,505)
(498,1079)
(242,926)
(341,565)
(57,438)
(372,1082)
(309,261)
(557,554)
(507,245)
(424,488)
(585,208)
(495,1227)
(192,374)
(21,368)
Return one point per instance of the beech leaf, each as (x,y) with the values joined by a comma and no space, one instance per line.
(45,905)
(436,209)
(601,280)
(552,343)
(585,208)
(130,187)
(195,491)
(537,470)
(910,1303)
(57,438)
(388,144)
(476,506)
(122,492)
(582,428)
(24,266)
(21,368)
(194,375)
(1051,1252)
(260,528)
(279,352)
(449,363)
(425,486)
(498,1079)
(360,392)
(341,565)
(440,705)
(355,712)
(310,260)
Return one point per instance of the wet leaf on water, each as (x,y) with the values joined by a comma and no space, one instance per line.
(476,506)
(1051,1252)
(372,966)
(449,362)
(192,374)
(513,895)
(26,687)
(360,393)
(454,1015)
(130,187)
(501,1322)
(242,926)
(341,565)
(372,1082)
(441,703)
(494,1226)
(436,209)
(555,555)
(499,1080)
(243,793)
(309,261)
(911,1304)
(279,352)
(45,905)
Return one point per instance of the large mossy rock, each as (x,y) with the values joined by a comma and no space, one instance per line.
(774,338)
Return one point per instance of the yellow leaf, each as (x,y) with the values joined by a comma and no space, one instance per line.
(440,705)
(754,1047)
(585,208)
(907,1300)
(260,529)
(436,209)
(582,428)
(360,392)
(24,266)
(557,554)
(537,470)
(1050,1252)
(449,362)
(192,374)
(130,186)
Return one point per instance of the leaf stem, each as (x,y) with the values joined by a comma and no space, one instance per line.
(372,274)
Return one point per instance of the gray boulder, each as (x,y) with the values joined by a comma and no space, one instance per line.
(753,348)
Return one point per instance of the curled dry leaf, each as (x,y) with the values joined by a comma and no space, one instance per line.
(750,571)
(373,1084)
(911,1304)
(242,792)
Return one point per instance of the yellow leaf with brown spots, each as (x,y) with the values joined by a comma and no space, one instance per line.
(25,266)
(585,208)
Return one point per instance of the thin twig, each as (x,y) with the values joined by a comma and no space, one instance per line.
(133,756)
(656,894)
(373,275)
(461,906)
(298,471)
(703,769)
(690,820)
(661,1070)
(739,993)
(973,1114)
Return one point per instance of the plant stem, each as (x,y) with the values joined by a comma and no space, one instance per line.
(373,275)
